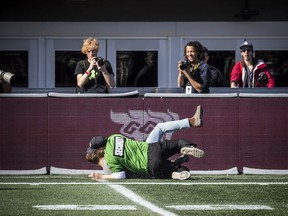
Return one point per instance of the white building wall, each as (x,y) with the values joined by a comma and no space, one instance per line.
(41,39)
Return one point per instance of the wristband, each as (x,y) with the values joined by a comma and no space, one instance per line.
(87,73)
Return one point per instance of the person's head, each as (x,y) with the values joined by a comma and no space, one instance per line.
(206,54)
(246,50)
(194,51)
(96,148)
(95,156)
(150,58)
(90,47)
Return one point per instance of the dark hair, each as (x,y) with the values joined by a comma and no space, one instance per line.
(205,50)
(199,48)
(95,156)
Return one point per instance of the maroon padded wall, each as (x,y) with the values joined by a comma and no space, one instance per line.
(218,136)
(23,133)
(74,121)
(236,132)
(263,132)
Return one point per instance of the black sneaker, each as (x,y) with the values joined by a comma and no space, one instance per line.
(183,175)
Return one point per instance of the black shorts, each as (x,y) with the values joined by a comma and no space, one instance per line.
(158,154)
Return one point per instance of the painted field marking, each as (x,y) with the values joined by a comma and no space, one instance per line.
(137,199)
(85,207)
(220,207)
(131,207)
(144,183)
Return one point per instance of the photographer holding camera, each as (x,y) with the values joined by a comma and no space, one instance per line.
(250,72)
(194,73)
(94,74)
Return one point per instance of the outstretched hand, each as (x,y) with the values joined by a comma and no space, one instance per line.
(95,176)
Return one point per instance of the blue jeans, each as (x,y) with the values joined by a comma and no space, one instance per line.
(158,132)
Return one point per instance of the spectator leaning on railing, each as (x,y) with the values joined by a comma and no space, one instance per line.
(194,73)
(94,74)
(250,72)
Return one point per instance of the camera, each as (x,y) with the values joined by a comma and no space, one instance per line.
(262,78)
(100,61)
(184,64)
(7,77)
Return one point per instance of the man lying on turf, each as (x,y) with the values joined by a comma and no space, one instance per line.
(122,154)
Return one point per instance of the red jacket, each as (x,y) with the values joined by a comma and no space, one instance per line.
(240,75)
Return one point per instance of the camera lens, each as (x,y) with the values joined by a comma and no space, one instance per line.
(8,77)
(183,65)
(262,79)
(100,61)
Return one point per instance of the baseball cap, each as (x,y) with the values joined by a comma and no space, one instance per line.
(246,44)
(95,143)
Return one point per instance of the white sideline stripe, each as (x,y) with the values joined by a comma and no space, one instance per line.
(220,207)
(85,207)
(131,207)
(137,199)
(143,183)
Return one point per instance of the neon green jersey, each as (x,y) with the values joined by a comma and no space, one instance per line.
(123,154)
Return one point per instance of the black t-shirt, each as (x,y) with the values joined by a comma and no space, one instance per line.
(96,82)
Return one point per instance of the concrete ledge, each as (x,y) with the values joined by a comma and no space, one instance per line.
(23,95)
(232,171)
(264,95)
(40,171)
(247,170)
(183,95)
(94,95)
(63,171)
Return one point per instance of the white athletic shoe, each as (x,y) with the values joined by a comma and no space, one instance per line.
(196,120)
(183,175)
(197,116)
(192,151)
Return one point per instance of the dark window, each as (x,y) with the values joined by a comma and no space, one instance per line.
(65,64)
(277,62)
(224,62)
(137,68)
(15,62)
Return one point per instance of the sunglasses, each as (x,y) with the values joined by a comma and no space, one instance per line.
(244,50)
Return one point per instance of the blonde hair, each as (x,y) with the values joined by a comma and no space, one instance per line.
(90,43)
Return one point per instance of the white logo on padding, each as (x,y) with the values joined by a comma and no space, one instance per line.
(137,124)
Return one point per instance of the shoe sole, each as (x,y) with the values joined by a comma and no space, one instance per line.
(198,122)
(198,116)
(192,151)
(181,175)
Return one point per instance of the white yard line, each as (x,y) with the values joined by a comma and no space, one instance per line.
(144,183)
(137,199)
(131,207)
(220,207)
(85,207)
